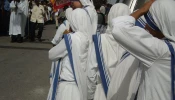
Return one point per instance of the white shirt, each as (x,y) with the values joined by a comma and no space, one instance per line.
(152,52)
(37,14)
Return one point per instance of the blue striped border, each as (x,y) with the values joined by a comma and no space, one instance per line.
(99,55)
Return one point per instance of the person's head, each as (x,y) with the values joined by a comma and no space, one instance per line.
(102,9)
(37,2)
(117,10)
(68,13)
(76,4)
(163,15)
(80,21)
(65,7)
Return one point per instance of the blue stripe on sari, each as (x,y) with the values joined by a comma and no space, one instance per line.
(151,21)
(100,60)
(68,42)
(172,67)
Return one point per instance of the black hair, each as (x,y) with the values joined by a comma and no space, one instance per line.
(97,6)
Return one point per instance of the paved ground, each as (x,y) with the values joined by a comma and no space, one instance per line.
(24,68)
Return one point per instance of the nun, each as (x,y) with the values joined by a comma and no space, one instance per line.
(69,82)
(108,62)
(154,49)
(65,26)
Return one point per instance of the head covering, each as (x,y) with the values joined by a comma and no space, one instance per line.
(116,10)
(68,13)
(80,21)
(102,9)
(163,14)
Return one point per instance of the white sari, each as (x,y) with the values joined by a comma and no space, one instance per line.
(109,54)
(75,46)
(152,52)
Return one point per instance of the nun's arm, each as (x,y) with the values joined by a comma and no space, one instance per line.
(59,34)
(59,51)
(137,41)
(137,14)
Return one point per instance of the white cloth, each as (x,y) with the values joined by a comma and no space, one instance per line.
(92,14)
(152,52)
(24,15)
(112,52)
(64,26)
(80,45)
(102,9)
(37,14)
(15,19)
(68,13)
(59,33)
(126,79)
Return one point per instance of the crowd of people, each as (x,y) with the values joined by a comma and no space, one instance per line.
(110,53)
(20,18)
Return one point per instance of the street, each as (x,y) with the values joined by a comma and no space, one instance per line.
(25,67)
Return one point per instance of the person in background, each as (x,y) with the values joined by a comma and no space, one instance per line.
(101,18)
(15,29)
(56,18)
(25,7)
(6,16)
(103,10)
(37,17)
(62,16)
(1,17)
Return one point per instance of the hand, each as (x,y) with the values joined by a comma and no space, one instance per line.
(142,10)
(66,32)
(147,6)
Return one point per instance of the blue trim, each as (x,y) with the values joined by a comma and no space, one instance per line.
(55,83)
(54,66)
(64,23)
(140,23)
(68,42)
(172,67)
(125,55)
(100,61)
(151,21)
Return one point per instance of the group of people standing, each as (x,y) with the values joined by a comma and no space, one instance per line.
(132,60)
(24,16)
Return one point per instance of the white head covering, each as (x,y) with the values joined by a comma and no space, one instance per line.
(80,21)
(68,13)
(116,10)
(86,2)
(102,9)
(163,14)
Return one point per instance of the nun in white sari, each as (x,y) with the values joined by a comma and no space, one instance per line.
(69,81)
(109,54)
(58,37)
(157,55)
